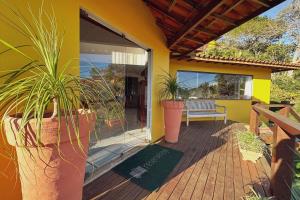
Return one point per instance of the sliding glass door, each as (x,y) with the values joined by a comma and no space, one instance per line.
(123,66)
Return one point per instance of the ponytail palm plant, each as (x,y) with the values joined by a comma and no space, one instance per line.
(43,87)
(169,86)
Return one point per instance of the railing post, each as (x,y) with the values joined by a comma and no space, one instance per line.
(285,111)
(282,164)
(254,121)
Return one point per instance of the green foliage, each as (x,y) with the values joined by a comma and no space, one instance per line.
(39,86)
(258,39)
(169,86)
(250,142)
(285,87)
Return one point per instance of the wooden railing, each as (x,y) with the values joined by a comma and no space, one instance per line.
(285,132)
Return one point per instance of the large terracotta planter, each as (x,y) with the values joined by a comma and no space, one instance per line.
(172,118)
(50,174)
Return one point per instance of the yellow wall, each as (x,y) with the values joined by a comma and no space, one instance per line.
(238,110)
(131,17)
(135,20)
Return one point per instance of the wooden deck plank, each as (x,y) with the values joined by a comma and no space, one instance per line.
(182,184)
(229,184)
(184,145)
(245,175)
(255,178)
(190,154)
(263,177)
(200,159)
(237,173)
(211,168)
(220,182)
(212,177)
(201,182)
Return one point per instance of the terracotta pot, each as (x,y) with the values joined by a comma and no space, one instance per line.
(46,172)
(113,122)
(172,117)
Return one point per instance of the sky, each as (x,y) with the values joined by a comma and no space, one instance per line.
(274,11)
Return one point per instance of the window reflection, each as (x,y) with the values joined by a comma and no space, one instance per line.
(201,85)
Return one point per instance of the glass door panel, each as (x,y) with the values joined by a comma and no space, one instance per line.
(121,127)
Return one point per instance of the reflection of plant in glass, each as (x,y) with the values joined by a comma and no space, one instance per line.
(204,89)
(226,84)
(41,86)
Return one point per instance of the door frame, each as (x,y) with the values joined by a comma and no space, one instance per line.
(102,22)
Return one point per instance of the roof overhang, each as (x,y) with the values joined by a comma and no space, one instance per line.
(189,24)
(274,66)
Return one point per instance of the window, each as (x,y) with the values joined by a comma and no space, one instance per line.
(201,85)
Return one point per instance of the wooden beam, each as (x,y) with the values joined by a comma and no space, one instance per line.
(166,26)
(202,14)
(192,39)
(262,2)
(254,14)
(233,6)
(206,31)
(162,12)
(238,2)
(228,10)
(227,20)
(172,5)
(191,3)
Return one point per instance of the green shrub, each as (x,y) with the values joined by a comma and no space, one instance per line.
(250,142)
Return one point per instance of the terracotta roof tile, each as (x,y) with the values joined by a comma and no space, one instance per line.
(274,65)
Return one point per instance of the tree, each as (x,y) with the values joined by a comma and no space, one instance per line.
(262,38)
(290,17)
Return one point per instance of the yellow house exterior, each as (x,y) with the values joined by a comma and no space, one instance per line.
(134,19)
(237,110)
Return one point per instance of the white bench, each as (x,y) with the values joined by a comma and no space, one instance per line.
(203,108)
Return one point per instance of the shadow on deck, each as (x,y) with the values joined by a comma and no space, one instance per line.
(211,168)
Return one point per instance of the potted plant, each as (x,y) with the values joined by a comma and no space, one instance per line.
(41,111)
(113,118)
(172,107)
(251,147)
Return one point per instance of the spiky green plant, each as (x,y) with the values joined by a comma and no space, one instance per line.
(169,86)
(45,85)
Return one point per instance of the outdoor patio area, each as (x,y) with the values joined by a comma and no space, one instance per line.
(211,168)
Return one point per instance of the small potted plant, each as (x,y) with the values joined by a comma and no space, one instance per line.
(47,112)
(172,107)
(251,147)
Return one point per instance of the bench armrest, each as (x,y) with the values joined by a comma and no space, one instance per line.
(225,109)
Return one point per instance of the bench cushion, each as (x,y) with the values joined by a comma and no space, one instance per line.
(200,105)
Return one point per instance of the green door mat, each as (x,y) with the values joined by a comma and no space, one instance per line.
(150,167)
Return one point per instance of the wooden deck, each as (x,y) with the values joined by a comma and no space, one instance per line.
(211,168)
